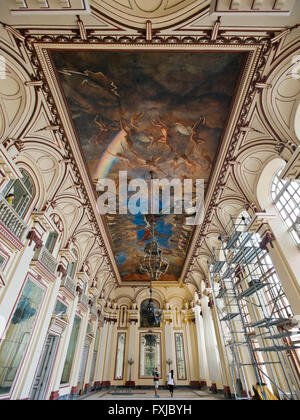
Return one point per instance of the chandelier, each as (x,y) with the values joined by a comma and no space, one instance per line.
(154,264)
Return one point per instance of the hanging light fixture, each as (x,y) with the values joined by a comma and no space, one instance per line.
(153,263)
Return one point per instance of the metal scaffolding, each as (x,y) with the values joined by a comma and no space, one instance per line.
(255,318)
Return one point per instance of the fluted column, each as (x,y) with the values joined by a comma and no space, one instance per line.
(101,355)
(110,355)
(169,347)
(192,352)
(132,339)
(226,378)
(202,358)
(211,345)
(15,273)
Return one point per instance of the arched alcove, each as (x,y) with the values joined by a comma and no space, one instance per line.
(297,121)
(147,319)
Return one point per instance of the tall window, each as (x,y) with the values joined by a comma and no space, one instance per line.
(179,347)
(71,269)
(119,366)
(123,316)
(2,261)
(150,356)
(19,193)
(51,241)
(14,345)
(286,198)
(71,351)
(60,308)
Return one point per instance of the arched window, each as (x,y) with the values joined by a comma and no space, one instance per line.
(147,317)
(84,287)
(123,316)
(286,198)
(72,265)
(19,193)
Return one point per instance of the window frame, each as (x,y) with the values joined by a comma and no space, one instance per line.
(22,206)
(51,241)
(282,197)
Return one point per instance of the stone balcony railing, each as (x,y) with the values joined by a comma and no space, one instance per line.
(69,284)
(11,220)
(46,258)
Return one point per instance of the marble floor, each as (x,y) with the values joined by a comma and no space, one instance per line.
(148,394)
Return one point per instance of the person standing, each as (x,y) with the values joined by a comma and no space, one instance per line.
(156,379)
(171,382)
(10,199)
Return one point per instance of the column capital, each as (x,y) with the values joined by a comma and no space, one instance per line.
(42,219)
(197,308)
(260,221)
(189,315)
(67,254)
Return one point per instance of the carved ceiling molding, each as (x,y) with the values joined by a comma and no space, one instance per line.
(240,7)
(162,13)
(284,96)
(25,7)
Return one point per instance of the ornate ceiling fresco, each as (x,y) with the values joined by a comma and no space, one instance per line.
(149,111)
(150,85)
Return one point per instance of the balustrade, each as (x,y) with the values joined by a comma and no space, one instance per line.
(11,220)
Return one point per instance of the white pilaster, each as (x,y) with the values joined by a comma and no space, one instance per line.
(210,343)
(101,353)
(202,357)
(62,351)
